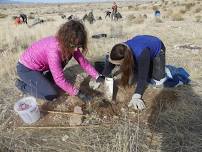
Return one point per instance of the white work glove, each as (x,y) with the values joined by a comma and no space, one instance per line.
(94,84)
(136,102)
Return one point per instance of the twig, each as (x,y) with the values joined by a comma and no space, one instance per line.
(59,127)
(137,138)
(60,112)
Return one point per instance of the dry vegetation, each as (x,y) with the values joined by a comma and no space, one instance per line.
(172,121)
(3,15)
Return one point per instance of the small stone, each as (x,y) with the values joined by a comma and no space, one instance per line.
(115,117)
(122,109)
(44,140)
(65,137)
(75,120)
(78,110)
(105,117)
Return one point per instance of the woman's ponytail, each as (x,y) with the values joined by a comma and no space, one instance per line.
(127,67)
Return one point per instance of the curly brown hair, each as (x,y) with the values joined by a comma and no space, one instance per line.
(118,52)
(72,34)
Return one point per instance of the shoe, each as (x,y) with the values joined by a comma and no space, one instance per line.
(20,84)
(157,84)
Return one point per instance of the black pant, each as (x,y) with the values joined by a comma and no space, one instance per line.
(157,69)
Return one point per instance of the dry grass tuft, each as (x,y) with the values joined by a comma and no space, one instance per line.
(31,16)
(130,7)
(188,6)
(182,11)
(158,20)
(139,19)
(198,10)
(3,15)
(155,7)
(177,16)
(133,8)
(198,18)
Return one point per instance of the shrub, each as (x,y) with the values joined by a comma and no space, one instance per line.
(158,20)
(50,20)
(144,7)
(188,6)
(177,17)
(136,19)
(169,12)
(3,15)
(134,8)
(130,7)
(31,17)
(183,11)
(14,17)
(166,3)
(155,8)
(197,10)
(131,17)
(198,18)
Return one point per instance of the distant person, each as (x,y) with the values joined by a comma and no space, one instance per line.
(108,13)
(157,13)
(114,10)
(18,20)
(91,18)
(50,55)
(24,18)
(142,57)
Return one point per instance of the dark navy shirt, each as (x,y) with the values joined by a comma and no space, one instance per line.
(138,43)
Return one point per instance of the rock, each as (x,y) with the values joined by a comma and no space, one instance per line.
(75,120)
(65,137)
(78,110)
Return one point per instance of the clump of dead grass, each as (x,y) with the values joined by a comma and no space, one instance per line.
(133,8)
(198,10)
(3,15)
(188,6)
(177,16)
(130,7)
(182,11)
(158,20)
(139,19)
(198,18)
(31,16)
(154,8)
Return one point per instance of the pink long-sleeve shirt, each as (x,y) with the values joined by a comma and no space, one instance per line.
(45,54)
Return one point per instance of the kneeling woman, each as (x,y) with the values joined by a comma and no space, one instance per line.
(144,56)
(52,54)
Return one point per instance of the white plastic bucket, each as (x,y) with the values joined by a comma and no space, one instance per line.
(27,109)
(109,86)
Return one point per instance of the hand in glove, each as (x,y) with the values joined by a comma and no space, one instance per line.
(95,84)
(136,102)
(85,98)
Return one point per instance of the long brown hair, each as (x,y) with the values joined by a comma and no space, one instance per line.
(121,51)
(67,35)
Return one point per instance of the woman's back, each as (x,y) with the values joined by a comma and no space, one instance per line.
(141,42)
(37,55)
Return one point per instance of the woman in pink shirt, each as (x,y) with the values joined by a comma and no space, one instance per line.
(51,54)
